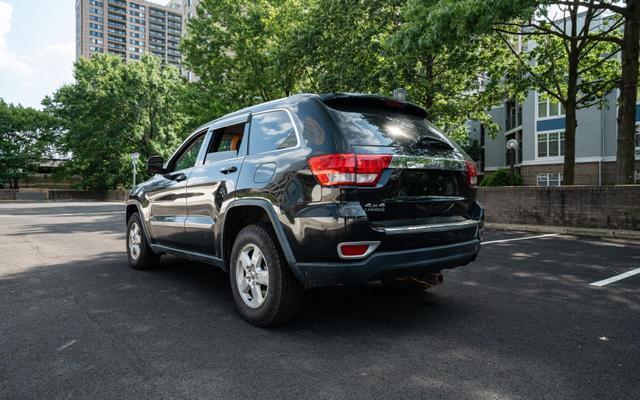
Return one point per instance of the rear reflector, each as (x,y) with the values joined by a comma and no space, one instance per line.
(349,169)
(356,249)
(472,173)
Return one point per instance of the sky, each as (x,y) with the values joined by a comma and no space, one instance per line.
(37,48)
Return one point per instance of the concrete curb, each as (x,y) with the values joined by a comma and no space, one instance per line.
(568,230)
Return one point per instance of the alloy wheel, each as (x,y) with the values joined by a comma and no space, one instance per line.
(252,276)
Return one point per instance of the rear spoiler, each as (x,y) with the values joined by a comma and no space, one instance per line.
(351,100)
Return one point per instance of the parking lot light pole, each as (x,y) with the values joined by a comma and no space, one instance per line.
(134,159)
(512,145)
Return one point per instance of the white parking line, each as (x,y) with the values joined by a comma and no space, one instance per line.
(616,278)
(521,238)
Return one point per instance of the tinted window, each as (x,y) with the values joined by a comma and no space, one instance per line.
(188,158)
(225,143)
(381,126)
(271,131)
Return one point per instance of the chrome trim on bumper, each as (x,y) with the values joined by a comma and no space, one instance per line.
(425,162)
(430,228)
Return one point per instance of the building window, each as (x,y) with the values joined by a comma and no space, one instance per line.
(550,144)
(513,115)
(549,107)
(549,179)
(98,34)
(96,3)
(96,18)
(96,41)
(638,176)
(95,26)
(96,10)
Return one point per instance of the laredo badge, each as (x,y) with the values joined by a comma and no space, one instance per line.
(375,207)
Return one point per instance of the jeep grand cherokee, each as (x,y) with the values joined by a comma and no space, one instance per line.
(306,191)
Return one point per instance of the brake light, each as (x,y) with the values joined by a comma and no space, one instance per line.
(472,173)
(349,169)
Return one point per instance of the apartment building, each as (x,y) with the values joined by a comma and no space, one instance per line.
(538,125)
(129,29)
(189,9)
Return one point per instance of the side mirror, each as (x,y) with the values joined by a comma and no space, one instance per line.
(155,165)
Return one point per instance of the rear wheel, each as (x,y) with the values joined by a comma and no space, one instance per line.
(140,254)
(264,288)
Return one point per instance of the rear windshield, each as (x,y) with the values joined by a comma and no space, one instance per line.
(383,126)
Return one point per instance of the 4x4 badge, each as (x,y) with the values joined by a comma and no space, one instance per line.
(375,207)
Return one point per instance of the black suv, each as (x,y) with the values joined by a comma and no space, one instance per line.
(310,190)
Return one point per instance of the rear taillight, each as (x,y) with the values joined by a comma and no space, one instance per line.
(472,173)
(349,169)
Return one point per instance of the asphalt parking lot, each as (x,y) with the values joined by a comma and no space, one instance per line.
(522,322)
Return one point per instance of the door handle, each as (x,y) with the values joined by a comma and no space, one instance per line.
(179,177)
(228,170)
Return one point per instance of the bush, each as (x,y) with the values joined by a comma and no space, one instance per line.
(502,177)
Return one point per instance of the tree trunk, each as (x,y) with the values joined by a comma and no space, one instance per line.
(430,98)
(571,121)
(625,153)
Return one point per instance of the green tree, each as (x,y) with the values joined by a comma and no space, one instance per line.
(250,51)
(114,109)
(628,13)
(26,137)
(553,42)
(239,50)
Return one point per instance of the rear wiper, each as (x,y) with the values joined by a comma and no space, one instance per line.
(427,141)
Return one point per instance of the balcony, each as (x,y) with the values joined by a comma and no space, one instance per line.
(116,46)
(157,34)
(116,17)
(118,32)
(118,2)
(156,12)
(117,39)
(118,10)
(117,24)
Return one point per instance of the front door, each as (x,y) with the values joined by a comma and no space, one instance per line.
(168,200)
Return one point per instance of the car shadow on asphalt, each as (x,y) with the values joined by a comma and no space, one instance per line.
(194,289)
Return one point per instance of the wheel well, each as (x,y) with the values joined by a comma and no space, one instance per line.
(131,208)
(236,219)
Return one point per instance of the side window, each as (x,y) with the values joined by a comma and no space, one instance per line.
(225,143)
(189,157)
(271,131)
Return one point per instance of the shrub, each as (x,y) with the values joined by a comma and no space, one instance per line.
(502,177)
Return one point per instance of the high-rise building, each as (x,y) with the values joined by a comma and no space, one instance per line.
(129,29)
(189,9)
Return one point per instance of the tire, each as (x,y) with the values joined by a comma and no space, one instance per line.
(143,257)
(265,290)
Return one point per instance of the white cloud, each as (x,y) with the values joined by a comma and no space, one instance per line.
(8,61)
(27,78)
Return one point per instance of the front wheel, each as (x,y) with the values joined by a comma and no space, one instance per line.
(140,254)
(264,288)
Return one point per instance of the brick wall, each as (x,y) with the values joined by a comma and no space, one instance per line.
(7,194)
(607,207)
(585,173)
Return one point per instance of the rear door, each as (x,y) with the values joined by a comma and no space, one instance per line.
(212,184)
(427,183)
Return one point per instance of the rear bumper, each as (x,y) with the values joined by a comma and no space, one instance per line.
(390,264)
